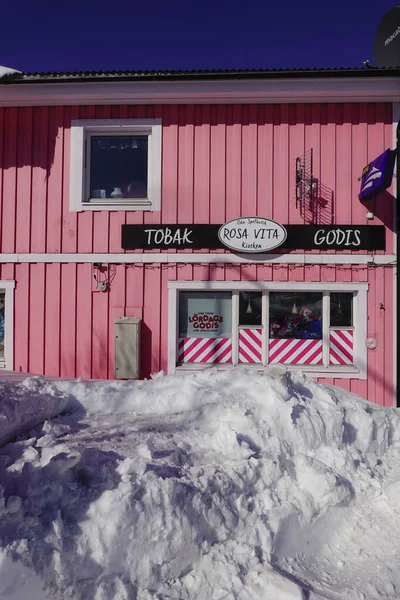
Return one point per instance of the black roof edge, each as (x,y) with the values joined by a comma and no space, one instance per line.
(230,74)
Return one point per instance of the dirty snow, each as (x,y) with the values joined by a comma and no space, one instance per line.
(214,486)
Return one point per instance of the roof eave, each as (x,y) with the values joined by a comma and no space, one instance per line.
(228,75)
(374,88)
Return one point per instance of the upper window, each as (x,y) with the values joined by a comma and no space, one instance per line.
(116,164)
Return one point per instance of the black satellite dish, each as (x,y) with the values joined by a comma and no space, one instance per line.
(387,40)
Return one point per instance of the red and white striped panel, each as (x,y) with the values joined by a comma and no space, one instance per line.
(341,347)
(295,352)
(250,345)
(205,350)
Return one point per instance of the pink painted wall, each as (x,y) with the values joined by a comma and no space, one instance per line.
(219,162)
(64,327)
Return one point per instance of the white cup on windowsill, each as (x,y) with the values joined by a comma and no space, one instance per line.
(98,193)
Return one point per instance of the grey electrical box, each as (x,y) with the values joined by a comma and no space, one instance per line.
(127,347)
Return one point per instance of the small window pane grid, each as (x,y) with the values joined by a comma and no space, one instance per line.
(298,334)
(117,167)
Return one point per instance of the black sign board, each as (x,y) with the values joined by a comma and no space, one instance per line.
(299,237)
(387,39)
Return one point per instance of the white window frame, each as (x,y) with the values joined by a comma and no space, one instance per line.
(358,370)
(81,130)
(7,287)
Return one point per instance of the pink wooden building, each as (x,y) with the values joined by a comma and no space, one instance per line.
(169,221)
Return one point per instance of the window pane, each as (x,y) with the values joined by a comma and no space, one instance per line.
(341,309)
(2,305)
(118,166)
(250,308)
(205,314)
(295,315)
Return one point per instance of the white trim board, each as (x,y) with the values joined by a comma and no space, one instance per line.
(209,258)
(271,286)
(262,91)
(8,287)
(342,372)
(396,119)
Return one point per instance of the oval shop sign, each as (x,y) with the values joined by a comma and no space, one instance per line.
(252,234)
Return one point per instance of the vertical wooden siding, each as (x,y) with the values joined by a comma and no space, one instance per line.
(219,162)
(64,327)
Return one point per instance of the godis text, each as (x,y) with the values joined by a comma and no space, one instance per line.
(338,237)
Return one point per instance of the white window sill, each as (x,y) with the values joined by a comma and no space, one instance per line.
(112,205)
(342,372)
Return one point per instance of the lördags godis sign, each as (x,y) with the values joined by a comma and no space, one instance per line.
(253,235)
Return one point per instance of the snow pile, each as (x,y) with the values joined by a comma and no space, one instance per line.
(6,72)
(204,487)
(28,404)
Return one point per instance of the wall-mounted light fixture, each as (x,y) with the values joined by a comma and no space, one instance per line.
(101,283)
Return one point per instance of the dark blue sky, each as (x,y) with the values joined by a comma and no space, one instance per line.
(47,35)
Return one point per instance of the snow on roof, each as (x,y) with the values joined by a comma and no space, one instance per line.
(198,487)
(6,71)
